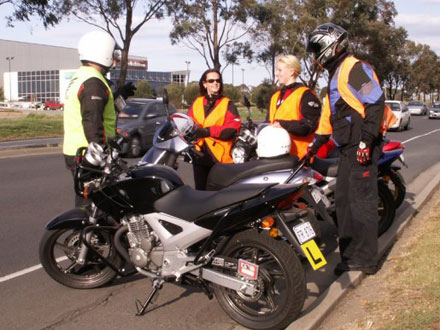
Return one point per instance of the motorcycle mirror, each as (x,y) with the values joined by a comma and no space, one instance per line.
(246,102)
(165,101)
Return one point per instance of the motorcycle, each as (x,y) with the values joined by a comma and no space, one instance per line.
(241,244)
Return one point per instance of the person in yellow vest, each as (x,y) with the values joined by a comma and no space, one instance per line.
(89,114)
(217,123)
(295,107)
(354,113)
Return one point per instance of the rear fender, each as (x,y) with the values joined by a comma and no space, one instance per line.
(74,218)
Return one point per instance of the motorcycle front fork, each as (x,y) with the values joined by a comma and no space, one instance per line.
(84,249)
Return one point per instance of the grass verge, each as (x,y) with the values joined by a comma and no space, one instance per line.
(413,285)
(31,126)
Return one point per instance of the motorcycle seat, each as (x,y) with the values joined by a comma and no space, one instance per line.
(224,175)
(187,203)
(326,166)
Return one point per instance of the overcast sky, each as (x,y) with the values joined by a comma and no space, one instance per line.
(421,18)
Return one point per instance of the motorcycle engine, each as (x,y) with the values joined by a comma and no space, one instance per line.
(141,242)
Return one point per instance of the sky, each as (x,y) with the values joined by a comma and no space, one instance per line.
(421,18)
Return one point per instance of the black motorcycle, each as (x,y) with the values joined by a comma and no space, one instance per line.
(237,243)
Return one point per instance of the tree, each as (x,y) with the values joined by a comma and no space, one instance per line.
(24,9)
(208,26)
(2,94)
(145,90)
(116,17)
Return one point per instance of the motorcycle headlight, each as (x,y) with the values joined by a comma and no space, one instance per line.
(95,155)
(238,155)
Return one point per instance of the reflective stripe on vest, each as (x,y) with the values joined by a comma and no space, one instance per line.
(290,109)
(74,136)
(339,88)
(220,149)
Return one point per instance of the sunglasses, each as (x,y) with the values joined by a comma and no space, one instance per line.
(213,80)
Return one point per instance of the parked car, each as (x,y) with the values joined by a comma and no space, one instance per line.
(434,111)
(53,105)
(402,114)
(417,108)
(139,121)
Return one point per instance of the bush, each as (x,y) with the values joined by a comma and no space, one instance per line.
(145,90)
(261,95)
(191,92)
(175,94)
(232,92)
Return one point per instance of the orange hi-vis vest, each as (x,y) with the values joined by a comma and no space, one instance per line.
(220,149)
(342,76)
(290,109)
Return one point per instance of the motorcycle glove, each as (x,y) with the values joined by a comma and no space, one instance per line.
(126,91)
(363,153)
(201,132)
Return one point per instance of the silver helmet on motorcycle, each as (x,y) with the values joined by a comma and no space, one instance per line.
(182,123)
(327,42)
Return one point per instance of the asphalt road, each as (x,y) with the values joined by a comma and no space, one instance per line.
(36,188)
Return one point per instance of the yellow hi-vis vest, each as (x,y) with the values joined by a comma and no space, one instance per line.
(220,149)
(342,76)
(74,136)
(290,110)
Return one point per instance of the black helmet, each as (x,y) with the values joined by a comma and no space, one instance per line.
(326,42)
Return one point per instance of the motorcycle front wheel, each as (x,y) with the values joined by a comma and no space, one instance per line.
(59,250)
(281,282)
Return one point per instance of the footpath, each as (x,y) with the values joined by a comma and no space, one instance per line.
(340,294)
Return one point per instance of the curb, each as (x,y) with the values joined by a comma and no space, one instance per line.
(318,311)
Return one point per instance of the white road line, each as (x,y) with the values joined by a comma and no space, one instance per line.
(419,136)
(25,271)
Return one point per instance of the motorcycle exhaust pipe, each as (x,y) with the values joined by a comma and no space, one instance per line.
(118,245)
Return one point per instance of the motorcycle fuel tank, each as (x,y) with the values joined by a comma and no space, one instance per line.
(139,192)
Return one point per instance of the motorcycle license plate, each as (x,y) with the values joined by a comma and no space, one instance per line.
(304,232)
(247,269)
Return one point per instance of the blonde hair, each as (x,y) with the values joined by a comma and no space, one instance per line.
(291,62)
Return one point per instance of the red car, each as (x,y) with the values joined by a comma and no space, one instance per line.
(53,105)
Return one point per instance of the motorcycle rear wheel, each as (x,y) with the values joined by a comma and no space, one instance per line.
(280,279)
(387,208)
(397,188)
(58,254)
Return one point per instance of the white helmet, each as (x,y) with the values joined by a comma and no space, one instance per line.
(272,142)
(97,47)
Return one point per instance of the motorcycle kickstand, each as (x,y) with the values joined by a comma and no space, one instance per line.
(157,285)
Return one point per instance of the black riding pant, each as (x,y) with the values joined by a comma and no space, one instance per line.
(356,199)
(70,165)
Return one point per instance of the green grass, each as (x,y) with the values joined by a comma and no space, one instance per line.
(255,113)
(31,126)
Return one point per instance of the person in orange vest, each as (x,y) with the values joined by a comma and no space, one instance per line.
(354,113)
(295,107)
(217,123)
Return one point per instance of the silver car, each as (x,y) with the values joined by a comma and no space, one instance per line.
(434,111)
(417,108)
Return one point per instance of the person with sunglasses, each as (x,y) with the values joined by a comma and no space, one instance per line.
(295,107)
(217,123)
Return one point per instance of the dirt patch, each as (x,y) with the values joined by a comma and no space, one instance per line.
(405,293)
(12,114)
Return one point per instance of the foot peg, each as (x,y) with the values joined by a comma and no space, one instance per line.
(141,308)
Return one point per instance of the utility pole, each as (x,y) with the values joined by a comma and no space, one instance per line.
(242,79)
(187,72)
(10,58)
(232,74)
